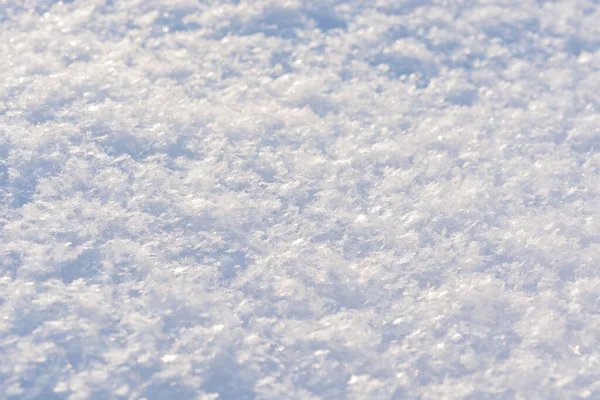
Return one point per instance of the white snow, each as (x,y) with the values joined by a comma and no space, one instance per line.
(269,199)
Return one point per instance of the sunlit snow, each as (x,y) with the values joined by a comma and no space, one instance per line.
(285,199)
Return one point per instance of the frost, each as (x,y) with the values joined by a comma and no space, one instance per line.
(390,199)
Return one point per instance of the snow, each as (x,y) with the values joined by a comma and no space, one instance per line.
(273,199)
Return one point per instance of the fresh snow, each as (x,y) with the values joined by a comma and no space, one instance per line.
(282,199)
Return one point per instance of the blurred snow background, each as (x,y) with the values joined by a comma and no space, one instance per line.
(363,199)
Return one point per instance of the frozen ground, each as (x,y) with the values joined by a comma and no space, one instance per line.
(364,199)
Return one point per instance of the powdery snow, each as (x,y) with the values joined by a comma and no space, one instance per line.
(363,199)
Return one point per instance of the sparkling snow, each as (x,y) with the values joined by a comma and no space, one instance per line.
(285,199)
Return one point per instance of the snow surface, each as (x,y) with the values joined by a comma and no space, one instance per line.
(363,199)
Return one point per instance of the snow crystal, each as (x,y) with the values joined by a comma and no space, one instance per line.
(387,199)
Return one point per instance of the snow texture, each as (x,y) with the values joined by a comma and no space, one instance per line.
(285,199)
